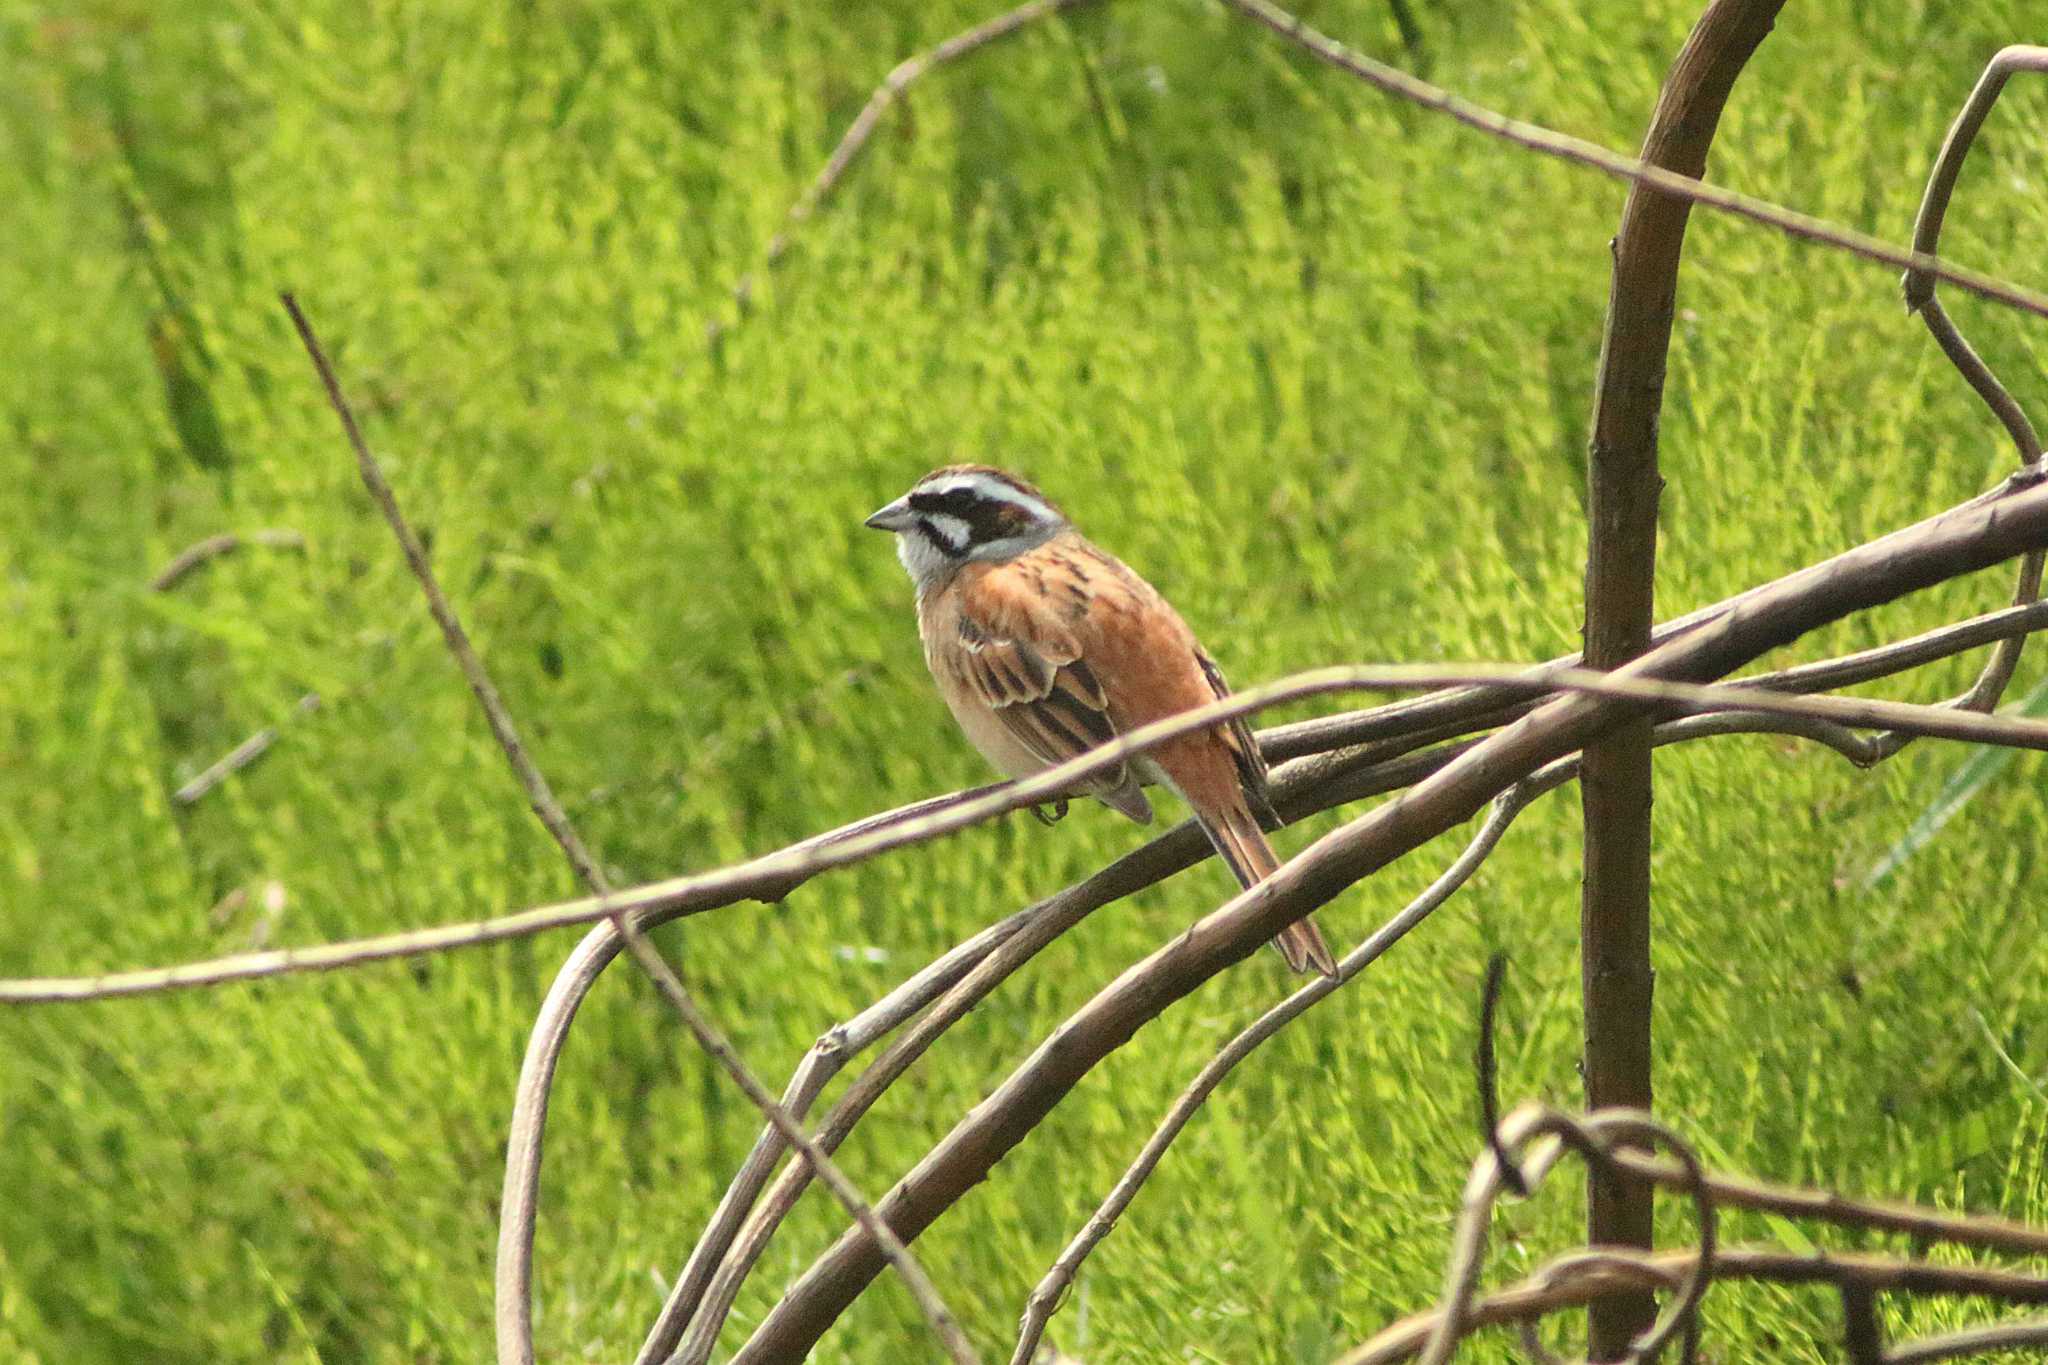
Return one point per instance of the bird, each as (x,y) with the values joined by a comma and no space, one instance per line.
(1044,646)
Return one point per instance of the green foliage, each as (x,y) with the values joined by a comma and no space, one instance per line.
(1317,363)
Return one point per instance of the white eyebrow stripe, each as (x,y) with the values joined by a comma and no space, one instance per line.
(993,490)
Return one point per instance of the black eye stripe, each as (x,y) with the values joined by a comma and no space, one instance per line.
(932,533)
(955,502)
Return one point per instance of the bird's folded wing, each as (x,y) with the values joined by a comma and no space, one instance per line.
(1031,674)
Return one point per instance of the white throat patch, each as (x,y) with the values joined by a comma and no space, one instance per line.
(925,562)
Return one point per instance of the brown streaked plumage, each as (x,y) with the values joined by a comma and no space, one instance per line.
(1044,646)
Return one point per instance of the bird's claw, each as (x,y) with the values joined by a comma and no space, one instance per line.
(1050,812)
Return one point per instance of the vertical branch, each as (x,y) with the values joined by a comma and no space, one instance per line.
(1623,487)
(1862,1338)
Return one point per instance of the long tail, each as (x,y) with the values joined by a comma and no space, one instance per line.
(1242,845)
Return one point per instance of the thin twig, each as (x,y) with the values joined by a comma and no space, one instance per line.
(242,755)
(1868,576)
(773,875)
(1401,85)
(1922,1224)
(1487,1071)
(828,1056)
(1998,670)
(1052,1288)
(1927,225)
(539,795)
(516,1347)
(1574,1283)
(213,547)
(854,140)
(1299,789)
(2007,1336)
(1535,1136)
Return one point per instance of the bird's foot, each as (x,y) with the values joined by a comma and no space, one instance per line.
(1051,812)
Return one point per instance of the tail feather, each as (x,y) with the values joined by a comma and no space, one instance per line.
(1242,845)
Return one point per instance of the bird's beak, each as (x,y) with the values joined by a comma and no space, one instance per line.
(897,516)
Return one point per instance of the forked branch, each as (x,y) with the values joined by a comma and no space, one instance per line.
(1958,542)
(1534,1138)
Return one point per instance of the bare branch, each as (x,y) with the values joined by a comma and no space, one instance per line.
(515,1346)
(1968,532)
(1443,715)
(1051,1289)
(539,795)
(1997,674)
(1298,790)
(827,1057)
(1573,1282)
(1538,1135)
(1920,284)
(1864,577)
(1927,1225)
(2010,1336)
(1401,85)
(1487,1070)
(1862,1332)
(242,755)
(854,140)
(1868,665)
(213,547)
(1623,486)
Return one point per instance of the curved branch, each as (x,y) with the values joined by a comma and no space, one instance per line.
(1391,81)
(1997,674)
(213,547)
(854,140)
(839,1045)
(1958,542)
(1298,791)
(1542,1135)
(1045,1298)
(1927,225)
(1571,1283)
(519,1205)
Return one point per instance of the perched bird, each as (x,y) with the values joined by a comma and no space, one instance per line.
(1044,647)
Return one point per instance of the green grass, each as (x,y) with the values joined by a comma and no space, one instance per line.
(1318,364)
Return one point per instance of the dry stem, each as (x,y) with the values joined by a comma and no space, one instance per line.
(515,1339)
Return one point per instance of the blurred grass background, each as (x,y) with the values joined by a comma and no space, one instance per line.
(1318,364)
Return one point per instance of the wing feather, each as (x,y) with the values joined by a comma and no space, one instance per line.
(1028,668)
(1244,749)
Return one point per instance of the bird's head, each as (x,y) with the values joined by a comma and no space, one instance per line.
(966,512)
